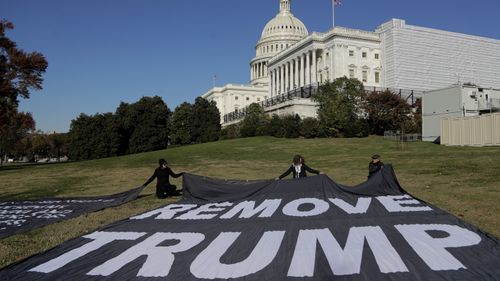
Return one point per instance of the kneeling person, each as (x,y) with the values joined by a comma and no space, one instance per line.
(162,175)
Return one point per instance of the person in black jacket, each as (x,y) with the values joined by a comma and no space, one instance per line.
(375,165)
(298,168)
(162,175)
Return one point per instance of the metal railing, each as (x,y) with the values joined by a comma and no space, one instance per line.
(307,91)
(303,92)
(398,136)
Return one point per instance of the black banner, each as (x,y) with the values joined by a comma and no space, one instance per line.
(302,229)
(20,216)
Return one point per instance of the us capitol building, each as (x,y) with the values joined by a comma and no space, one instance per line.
(290,63)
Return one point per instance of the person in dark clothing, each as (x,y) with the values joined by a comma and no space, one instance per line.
(298,168)
(375,165)
(162,175)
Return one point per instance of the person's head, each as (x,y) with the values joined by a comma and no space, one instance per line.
(162,162)
(297,160)
(376,158)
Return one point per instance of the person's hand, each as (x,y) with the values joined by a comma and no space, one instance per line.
(277,179)
(321,173)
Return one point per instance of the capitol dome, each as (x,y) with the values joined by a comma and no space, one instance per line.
(279,34)
(284,25)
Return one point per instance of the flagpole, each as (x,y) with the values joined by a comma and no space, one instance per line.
(333,13)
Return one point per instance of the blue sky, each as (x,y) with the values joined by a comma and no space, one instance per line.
(102,52)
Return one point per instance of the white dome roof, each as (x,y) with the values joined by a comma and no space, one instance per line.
(284,25)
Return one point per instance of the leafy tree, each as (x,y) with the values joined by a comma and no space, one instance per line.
(93,137)
(386,111)
(310,128)
(415,123)
(17,127)
(340,104)
(181,124)
(20,72)
(40,146)
(255,122)
(292,125)
(57,143)
(206,121)
(231,131)
(276,127)
(143,126)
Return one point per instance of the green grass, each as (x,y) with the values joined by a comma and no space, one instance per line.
(461,180)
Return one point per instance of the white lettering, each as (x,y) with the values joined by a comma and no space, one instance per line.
(207,264)
(247,209)
(433,250)
(292,208)
(166,212)
(360,208)
(100,239)
(159,258)
(394,203)
(344,261)
(197,214)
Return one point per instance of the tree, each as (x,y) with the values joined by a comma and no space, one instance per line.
(181,124)
(230,131)
(20,72)
(17,127)
(340,104)
(57,143)
(310,128)
(386,111)
(143,126)
(292,125)
(255,122)
(92,137)
(206,121)
(276,127)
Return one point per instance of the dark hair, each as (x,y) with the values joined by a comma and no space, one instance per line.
(297,159)
(162,161)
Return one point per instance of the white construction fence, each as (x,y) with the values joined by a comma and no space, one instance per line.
(482,130)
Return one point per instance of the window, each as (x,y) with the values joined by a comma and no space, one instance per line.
(376,56)
(248,98)
(363,54)
(236,98)
(377,77)
(258,99)
(351,73)
(351,53)
(365,75)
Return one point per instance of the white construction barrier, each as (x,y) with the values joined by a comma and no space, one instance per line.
(483,130)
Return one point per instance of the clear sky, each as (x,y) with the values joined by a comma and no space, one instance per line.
(102,52)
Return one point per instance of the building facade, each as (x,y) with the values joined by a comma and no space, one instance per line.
(395,56)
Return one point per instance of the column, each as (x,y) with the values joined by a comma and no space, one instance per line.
(308,69)
(314,70)
(282,85)
(302,71)
(286,77)
(296,80)
(271,84)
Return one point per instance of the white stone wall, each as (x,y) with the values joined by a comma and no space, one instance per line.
(421,58)
(232,97)
(348,60)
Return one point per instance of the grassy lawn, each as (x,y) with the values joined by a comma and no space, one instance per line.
(461,180)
